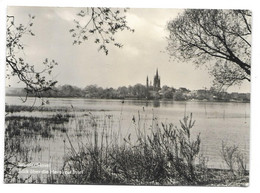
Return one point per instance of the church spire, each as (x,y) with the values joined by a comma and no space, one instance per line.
(156,82)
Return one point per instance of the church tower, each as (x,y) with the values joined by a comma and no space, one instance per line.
(156,81)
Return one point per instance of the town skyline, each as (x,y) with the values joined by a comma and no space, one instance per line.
(152,79)
(137,91)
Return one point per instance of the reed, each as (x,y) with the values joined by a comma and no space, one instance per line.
(165,155)
(96,152)
(234,159)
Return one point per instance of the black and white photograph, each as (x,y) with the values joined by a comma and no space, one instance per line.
(127,96)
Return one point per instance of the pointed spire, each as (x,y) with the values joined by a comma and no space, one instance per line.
(157,72)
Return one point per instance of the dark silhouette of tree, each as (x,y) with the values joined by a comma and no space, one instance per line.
(139,91)
(36,82)
(122,91)
(167,92)
(221,37)
(100,24)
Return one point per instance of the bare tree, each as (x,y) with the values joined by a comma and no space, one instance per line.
(35,80)
(221,37)
(100,24)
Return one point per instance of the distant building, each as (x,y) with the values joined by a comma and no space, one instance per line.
(153,89)
(156,81)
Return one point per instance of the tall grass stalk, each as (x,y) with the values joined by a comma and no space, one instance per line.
(166,155)
(95,152)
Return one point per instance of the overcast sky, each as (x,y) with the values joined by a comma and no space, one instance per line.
(142,53)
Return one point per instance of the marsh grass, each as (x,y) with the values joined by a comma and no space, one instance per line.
(9,109)
(234,159)
(15,153)
(97,152)
(24,137)
(168,155)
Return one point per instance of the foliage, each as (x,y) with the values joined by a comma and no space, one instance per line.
(220,36)
(95,152)
(234,159)
(35,81)
(15,154)
(168,92)
(101,24)
(180,150)
(94,91)
(179,96)
(166,156)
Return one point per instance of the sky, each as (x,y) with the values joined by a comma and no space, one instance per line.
(81,65)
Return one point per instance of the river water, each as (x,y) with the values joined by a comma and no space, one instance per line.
(215,121)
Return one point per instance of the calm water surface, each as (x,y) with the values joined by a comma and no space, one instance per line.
(215,121)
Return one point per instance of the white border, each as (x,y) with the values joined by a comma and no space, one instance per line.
(219,4)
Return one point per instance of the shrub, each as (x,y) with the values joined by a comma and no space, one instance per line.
(166,156)
(234,159)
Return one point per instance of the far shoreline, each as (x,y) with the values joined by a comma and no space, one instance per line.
(134,99)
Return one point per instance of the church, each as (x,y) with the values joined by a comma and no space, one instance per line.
(153,88)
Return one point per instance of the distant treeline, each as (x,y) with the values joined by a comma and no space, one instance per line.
(91,91)
(137,91)
(94,91)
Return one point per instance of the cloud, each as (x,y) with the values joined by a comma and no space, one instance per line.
(132,51)
(146,28)
(82,65)
(67,14)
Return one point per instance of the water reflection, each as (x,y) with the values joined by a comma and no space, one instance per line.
(147,103)
(156,103)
